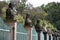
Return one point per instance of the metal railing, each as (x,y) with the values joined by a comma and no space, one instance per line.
(24,36)
(4,34)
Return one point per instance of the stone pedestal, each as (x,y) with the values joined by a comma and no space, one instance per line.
(49,37)
(13,25)
(38,36)
(45,35)
(29,33)
(54,37)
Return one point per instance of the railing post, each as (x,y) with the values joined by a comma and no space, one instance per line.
(29,33)
(38,36)
(13,25)
(45,36)
(50,37)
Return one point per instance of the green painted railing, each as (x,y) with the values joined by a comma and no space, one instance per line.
(4,31)
(21,32)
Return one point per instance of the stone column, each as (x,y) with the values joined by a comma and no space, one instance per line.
(50,37)
(38,36)
(58,38)
(15,30)
(45,35)
(13,25)
(29,33)
(54,37)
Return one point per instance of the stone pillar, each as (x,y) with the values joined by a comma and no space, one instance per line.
(29,33)
(45,35)
(13,25)
(38,36)
(58,38)
(54,37)
(50,37)
(13,31)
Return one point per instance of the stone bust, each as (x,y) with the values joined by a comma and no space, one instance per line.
(11,12)
(28,21)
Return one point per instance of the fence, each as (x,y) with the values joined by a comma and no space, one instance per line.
(4,31)
(21,32)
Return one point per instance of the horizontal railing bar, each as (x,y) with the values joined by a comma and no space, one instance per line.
(21,33)
(25,33)
(4,30)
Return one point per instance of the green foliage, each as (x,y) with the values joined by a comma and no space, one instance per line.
(21,7)
(50,26)
(53,10)
(20,18)
(50,12)
(37,13)
(24,1)
(3,12)
(2,4)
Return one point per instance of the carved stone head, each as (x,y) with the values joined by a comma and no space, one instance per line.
(10,5)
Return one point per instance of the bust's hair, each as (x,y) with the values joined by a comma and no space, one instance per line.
(10,5)
(38,21)
(27,15)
